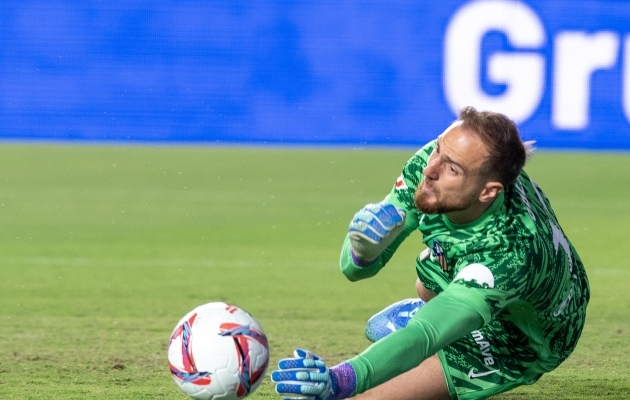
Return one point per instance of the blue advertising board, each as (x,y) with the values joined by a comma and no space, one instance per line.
(313,71)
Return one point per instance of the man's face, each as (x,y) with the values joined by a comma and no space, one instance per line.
(453,179)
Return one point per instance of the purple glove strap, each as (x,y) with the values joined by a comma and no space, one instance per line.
(344,381)
(361,263)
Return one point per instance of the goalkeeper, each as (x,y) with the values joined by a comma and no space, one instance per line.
(505,291)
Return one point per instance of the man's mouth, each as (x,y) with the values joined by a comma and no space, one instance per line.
(426,187)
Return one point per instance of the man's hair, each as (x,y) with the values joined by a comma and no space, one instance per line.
(508,153)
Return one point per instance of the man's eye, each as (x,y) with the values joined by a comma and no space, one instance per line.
(453,170)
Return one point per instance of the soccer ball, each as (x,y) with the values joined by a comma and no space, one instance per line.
(218,351)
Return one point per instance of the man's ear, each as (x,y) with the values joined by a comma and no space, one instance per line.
(490,191)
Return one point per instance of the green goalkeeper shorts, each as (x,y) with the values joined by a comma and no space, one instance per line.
(489,361)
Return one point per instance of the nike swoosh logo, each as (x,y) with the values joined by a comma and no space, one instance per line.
(473,375)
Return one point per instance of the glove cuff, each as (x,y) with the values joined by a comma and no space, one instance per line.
(360,262)
(343,381)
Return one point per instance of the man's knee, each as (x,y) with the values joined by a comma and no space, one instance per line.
(424,293)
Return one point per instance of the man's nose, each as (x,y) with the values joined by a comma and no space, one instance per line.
(432,168)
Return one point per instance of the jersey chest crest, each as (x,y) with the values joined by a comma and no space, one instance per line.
(436,254)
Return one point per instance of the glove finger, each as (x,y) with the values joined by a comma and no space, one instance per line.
(301,353)
(368,232)
(370,219)
(302,363)
(288,388)
(299,398)
(388,215)
(300,376)
(381,217)
(292,396)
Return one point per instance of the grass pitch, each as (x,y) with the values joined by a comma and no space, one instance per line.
(105,248)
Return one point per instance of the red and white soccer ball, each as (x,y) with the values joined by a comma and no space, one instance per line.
(218,351)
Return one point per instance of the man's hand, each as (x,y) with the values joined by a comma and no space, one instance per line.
(304,377)
(374,228)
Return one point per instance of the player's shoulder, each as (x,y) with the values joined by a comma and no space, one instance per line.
(527,208)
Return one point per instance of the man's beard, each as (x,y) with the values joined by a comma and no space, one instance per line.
(449,204)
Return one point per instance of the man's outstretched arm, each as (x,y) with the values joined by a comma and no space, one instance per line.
(440,322)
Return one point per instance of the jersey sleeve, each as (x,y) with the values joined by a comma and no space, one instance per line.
(427,332)
(401,196)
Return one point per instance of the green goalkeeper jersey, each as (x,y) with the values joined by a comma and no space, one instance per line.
(513,264)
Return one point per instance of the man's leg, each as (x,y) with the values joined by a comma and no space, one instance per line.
(397,315)
(425,382)
(424,293)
